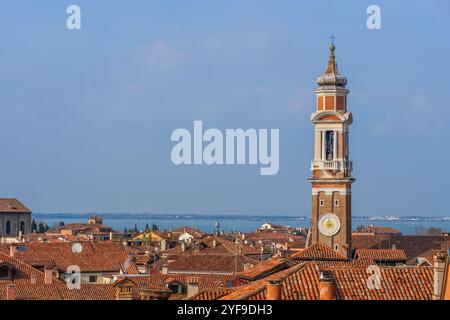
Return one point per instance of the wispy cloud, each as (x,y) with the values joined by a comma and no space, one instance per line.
(302,99)
(236,43)
(384,125)
(160,56)
(420,114)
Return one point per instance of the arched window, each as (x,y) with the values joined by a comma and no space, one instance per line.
(8,227)
(329,144)
(22,226)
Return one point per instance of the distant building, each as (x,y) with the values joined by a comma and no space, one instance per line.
(188,234)
(373,230)
(93,230)
(95,220)
(15,218)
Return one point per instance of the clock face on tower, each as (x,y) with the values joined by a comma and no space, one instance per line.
(329,224)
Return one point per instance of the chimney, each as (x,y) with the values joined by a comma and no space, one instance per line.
(163,245)
(33,279)
(274,288)
(214,243)
(12,250)
(48,275)
(183,246)
(192,287)
(10,292)
(165,269)
(438,274)
(110,235)
(327,286)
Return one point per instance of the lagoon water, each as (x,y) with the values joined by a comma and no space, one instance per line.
(228,223)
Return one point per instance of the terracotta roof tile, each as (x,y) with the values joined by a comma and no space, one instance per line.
(301,283)
(414,246)
(266,268)
(102,256)
(202,263)
(396,255)
(23,271)
(205,282)
(206,246)
(211,294)
(60,291)
(316,252)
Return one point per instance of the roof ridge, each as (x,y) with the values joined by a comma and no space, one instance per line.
(22,263)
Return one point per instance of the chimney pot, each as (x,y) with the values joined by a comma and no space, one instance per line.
(192,286)
(48,275)
(165,269)
(12,249)
(327,286)
(10,292)
(439,261)
(274,288)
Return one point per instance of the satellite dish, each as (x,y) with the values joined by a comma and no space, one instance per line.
(77,248)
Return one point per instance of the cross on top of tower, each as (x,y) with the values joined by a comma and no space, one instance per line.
(332,37)
(332,47)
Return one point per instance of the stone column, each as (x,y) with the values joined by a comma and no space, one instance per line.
(335,133)
(323,145)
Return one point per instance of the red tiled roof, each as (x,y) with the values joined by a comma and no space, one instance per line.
(211,294)
(206,246)
(428,257)
(397,283)
(266,268)
(316,252)
(381,255)
(413,246)
(60,291)
(102,256)
(301,283)
(205,281)
(23,271)
(203,263)
(349,263)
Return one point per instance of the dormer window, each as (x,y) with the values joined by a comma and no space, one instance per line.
(6,271)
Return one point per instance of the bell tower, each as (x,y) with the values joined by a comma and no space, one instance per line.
(331,168)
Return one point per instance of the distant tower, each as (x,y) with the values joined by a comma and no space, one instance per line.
(331,168)
(217,228)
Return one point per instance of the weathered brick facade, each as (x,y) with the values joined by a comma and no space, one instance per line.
(331,168)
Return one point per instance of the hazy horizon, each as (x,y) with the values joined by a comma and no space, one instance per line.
(88,114)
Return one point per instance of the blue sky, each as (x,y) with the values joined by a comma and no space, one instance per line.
(87,115)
